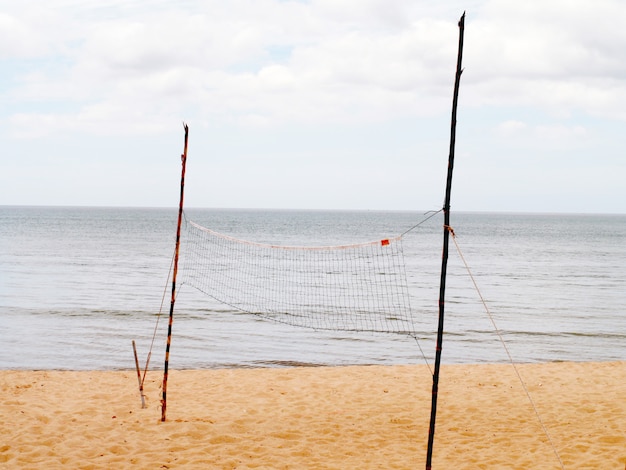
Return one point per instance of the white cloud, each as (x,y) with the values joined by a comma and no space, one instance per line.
(560,56)
(277,77)
(511,127)
(365,65)
(346,60)
(562,133)
(544,83)
(552,132)
(15,38)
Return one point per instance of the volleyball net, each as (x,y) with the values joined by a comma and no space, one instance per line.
(359,287)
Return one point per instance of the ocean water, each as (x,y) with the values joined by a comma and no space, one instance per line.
(77,285)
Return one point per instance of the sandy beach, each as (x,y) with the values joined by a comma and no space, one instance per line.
(361,417)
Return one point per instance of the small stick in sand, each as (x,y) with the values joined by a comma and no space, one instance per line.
(143,399)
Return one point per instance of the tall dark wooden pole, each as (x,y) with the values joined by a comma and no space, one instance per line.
(173,299)
(444,260)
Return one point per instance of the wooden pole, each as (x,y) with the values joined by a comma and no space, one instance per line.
(143,398)
(444,260)
(173,299)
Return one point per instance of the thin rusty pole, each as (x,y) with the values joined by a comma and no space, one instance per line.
(173,299)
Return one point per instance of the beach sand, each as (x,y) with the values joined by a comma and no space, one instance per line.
(361,417)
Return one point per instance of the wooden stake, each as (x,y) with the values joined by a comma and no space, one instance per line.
(143,398)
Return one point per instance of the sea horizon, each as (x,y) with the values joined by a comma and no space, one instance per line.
(312,209)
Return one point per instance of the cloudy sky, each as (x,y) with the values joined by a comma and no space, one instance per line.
(314,103)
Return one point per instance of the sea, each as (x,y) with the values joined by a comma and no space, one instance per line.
(79,284)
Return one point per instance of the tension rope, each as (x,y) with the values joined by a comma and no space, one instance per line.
(505,347)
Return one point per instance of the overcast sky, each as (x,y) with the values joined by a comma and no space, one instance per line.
(327,104)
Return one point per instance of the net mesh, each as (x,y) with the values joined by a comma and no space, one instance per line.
(359,287)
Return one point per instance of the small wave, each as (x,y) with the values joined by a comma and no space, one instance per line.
(279,363)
